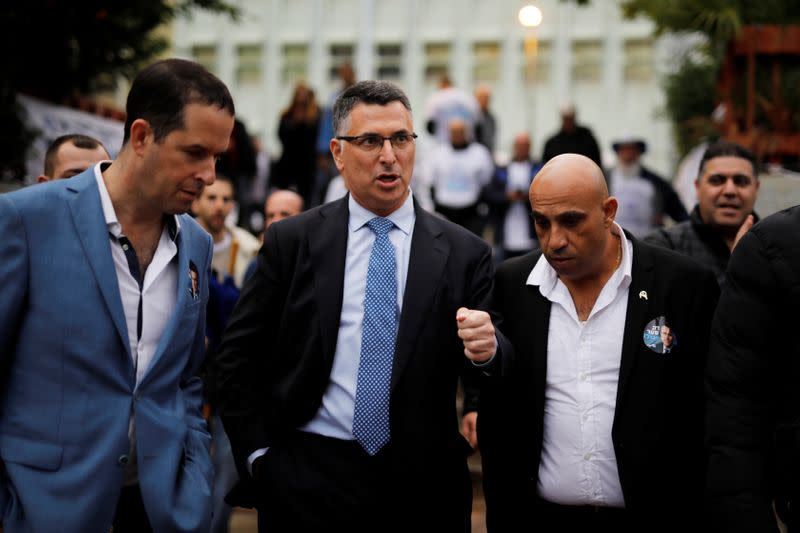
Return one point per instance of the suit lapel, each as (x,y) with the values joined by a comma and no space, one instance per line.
(182,299)
(429,253)
(328,250)
(534,332)
(87,214)
(636,315)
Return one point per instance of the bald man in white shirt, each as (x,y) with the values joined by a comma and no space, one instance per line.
(585,424)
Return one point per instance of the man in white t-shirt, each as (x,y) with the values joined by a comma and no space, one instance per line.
(447,104)
(457,173)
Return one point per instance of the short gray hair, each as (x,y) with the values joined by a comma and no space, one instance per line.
(365,92)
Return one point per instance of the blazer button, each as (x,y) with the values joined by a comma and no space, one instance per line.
(123,460)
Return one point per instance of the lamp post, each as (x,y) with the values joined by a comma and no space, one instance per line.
(530,17)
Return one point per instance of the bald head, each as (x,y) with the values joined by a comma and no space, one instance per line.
(574,218)
(522,146)
(458,131)
(71,154)
(282,204)
(572,173)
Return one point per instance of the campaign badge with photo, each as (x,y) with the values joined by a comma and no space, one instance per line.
(659,336)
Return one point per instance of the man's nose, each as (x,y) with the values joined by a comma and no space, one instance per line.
(387,155)
(729,188)
(558,238)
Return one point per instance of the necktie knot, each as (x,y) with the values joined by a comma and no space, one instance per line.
(380,225)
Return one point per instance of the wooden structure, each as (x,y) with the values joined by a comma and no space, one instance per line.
(764,123)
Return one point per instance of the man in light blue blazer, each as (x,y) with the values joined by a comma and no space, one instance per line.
(102,323)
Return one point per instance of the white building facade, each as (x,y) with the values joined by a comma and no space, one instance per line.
(608,67)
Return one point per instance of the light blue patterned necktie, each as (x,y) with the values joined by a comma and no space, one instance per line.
(379,329)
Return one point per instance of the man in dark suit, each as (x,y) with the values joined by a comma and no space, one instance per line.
(339,367)
(752,380)
(588,425)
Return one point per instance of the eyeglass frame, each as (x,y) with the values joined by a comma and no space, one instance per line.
(356,138)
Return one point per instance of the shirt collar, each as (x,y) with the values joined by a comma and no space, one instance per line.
(402,217)
(112,223)
(546,277)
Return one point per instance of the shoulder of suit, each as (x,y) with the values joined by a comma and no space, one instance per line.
(520,265)
(672,236)
(450,229)
(41,199)
(302,224)
(191,229)
(670,264)
(778,232)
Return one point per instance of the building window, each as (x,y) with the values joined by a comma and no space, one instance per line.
(486,62)
(638,60)
(587,60)
(206,55)
(390,57)
(437,61)
(295,63)
(537,57)
(339,54)
(248,66)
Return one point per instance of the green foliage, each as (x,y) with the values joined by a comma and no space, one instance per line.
(691,91)
(690,100)
(719,20)
(54,49)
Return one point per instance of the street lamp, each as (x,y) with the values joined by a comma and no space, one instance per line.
(530,16)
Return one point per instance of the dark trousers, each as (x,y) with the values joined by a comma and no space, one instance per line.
(316,483)
(313,483)
(580,518)
(130,516)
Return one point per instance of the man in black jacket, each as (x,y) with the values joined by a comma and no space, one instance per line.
(727,188)
(590,425)
(572,138)
(339,366)
(753,398)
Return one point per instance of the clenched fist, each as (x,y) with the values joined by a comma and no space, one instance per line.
(476,330)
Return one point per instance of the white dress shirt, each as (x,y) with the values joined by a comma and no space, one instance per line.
(334,418)
(578,465)
(158,294)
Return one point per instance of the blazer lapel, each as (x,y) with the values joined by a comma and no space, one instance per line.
(328,250)
(428,256)
(636,315)
(87,214)
(534,336)
(182,300)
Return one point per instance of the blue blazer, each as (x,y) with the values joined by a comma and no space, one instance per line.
(67,378)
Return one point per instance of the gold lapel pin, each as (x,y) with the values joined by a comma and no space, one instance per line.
(643,295)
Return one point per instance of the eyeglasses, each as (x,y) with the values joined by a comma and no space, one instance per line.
(372,142)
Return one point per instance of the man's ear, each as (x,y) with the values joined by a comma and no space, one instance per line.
(42,178)
(610,206)
(141,135)
(336,151)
